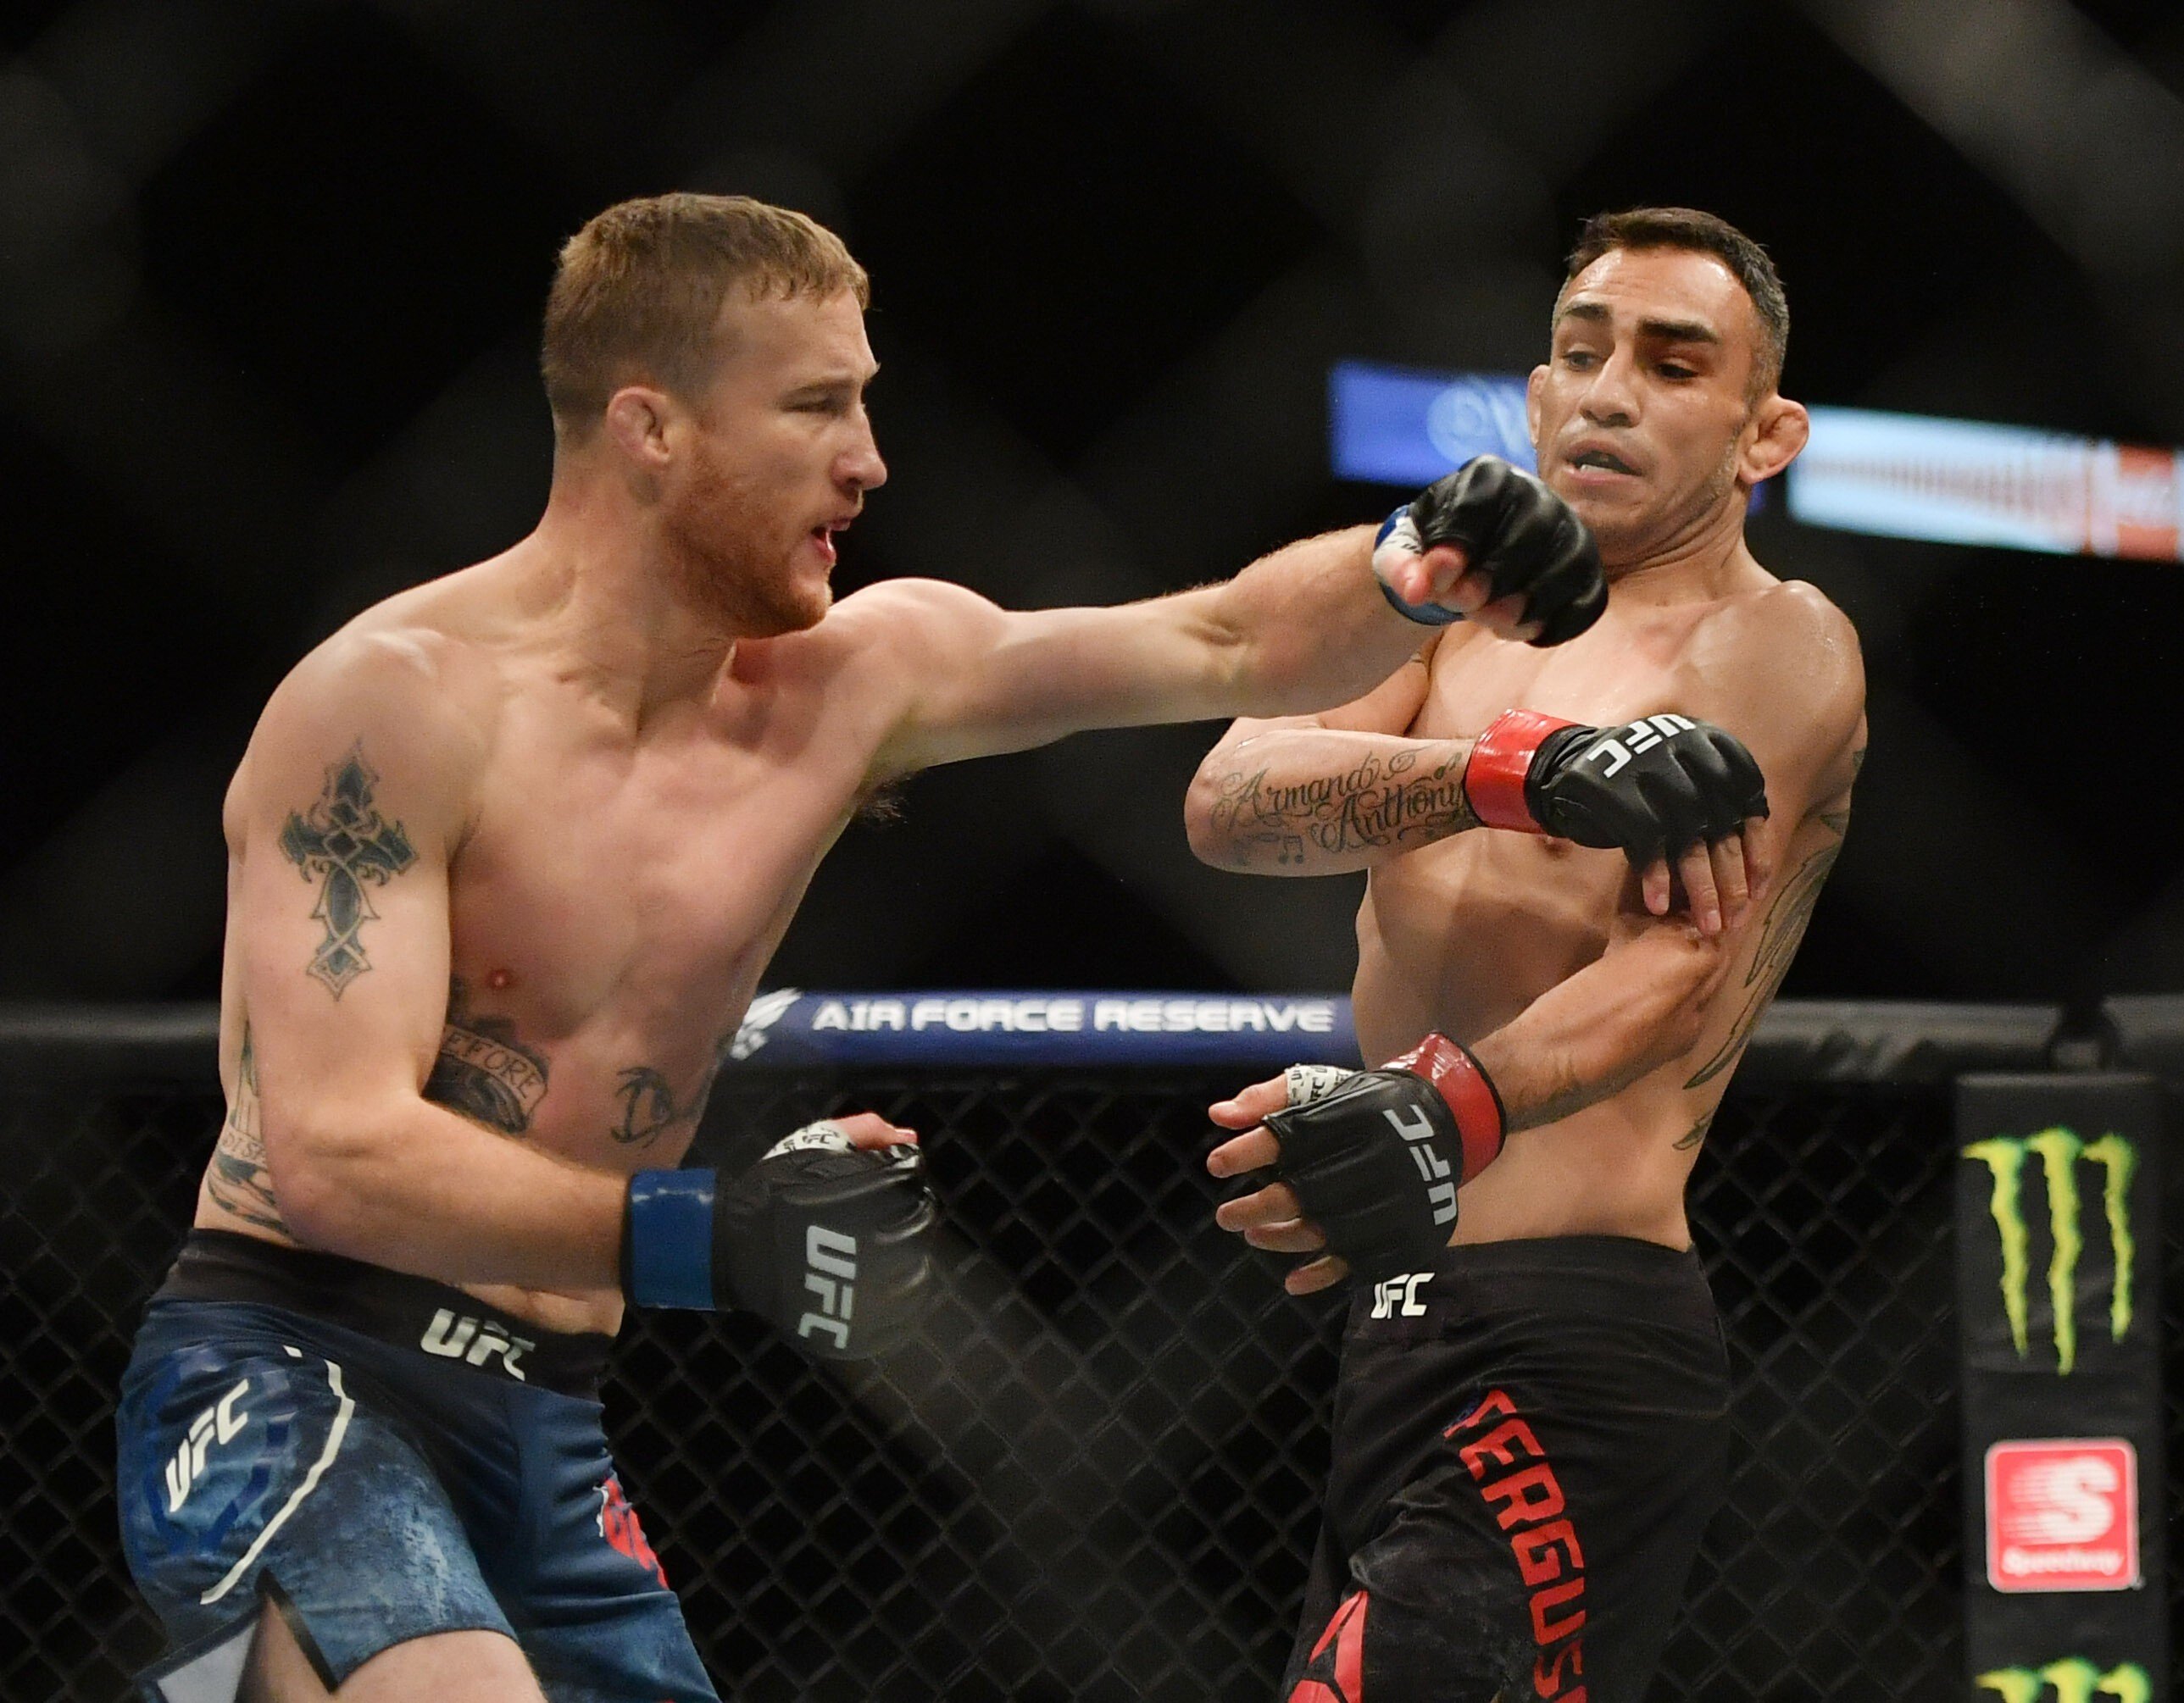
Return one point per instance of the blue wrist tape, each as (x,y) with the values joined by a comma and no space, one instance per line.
(1425,614)
(671,1239)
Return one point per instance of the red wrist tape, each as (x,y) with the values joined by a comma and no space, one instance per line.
(1494,778)
(1468,1093)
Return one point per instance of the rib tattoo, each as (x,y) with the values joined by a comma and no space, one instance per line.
(649,1107)
(483,1071)
(1374,806)
(347,845)
(239,1180)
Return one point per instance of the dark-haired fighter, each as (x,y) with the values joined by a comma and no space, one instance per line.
(508,855)
(1529,1428)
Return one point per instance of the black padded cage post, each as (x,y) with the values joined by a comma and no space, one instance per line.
(2059,1258)
(1094,1474)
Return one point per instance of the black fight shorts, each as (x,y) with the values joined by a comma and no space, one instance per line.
(1528,1441)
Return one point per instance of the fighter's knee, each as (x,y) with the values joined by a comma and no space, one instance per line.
(278,1671)
(468,1666)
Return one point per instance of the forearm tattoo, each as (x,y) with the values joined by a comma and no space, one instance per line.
(483,1071)
(239,1181)
(1780,933)
(1379,805)
(345,845)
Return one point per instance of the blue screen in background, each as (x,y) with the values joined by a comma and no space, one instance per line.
(1892,475)
(1395,426)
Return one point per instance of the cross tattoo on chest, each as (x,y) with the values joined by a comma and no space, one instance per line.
(347,845)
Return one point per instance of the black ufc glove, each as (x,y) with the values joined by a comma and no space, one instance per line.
(1375,1157)
(1527,541)
(827,1242)
(1654,788)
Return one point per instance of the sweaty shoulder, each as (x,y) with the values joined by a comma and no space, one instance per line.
(890,611)
(906,629)
(1785,648)
(404,697)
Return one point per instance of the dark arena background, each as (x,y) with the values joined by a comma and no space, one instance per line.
(269,284)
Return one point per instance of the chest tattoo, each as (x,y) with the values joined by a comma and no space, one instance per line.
(483,1071)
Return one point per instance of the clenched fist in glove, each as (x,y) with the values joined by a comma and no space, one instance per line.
(1363,1165)
(1655,789)
(1540,566)
(826,1240)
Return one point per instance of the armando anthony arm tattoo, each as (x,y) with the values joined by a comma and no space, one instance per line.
(1383,803)
(239,1181)
(483,1071)
(345,845)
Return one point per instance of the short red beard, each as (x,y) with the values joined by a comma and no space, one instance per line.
(732,562)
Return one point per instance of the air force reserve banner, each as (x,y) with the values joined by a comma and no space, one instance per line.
(2059,1298)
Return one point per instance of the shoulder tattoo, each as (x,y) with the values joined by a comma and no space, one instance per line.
(345,846)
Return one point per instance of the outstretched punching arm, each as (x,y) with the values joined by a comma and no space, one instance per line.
(1313,624)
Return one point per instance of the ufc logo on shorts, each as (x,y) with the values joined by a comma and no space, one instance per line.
(1440,1192)
(1641,735)
(1391,1292)
(449,1337)
(219,1423)
(833,1259)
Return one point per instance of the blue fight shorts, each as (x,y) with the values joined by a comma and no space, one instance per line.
(384,1457)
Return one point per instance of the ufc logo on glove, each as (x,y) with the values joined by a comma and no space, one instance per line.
(833,1260)
(1641,735)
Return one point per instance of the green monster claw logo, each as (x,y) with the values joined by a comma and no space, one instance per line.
(2059,1152)
(2076,1680)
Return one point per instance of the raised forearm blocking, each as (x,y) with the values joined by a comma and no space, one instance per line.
(1319,801)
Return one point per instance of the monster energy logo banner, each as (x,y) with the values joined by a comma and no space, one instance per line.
(2072,1680)
(2060,1154)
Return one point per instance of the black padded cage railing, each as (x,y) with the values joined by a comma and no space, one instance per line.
(1093,1475)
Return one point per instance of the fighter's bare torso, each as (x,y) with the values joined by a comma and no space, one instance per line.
(1463,934)
(613,897)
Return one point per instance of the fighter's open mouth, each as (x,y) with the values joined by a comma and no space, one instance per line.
(1601,459)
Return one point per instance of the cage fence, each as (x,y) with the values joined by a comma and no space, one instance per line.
(1092,1474)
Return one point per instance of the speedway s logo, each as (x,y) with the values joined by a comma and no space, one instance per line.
(2061,1159)
(2062,1514)
(2072,1680)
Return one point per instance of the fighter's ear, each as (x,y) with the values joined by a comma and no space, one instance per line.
(638,417)
(1778,429)
(1532,385)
